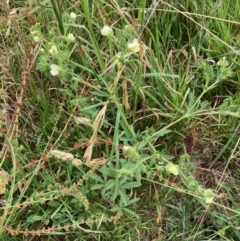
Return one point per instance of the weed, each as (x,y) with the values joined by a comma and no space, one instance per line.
(119,120)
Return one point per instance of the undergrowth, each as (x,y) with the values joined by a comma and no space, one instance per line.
(119,120)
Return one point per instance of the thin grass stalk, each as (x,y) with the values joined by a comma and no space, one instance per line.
(58,14)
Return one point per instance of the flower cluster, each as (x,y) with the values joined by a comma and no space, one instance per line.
(65,156)
(36,33)
(132,46)
(4,178)
(56,50)
(53,50)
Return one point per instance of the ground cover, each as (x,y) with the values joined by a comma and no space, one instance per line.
(119,120)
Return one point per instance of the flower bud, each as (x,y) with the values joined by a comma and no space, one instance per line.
(107,31)
(36,39)
(53,50)
(70,37)
(73,16)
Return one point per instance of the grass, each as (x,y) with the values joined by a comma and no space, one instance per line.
(101,140)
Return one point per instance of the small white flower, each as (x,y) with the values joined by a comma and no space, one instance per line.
(171,168)
(71,37)
(55,69)
(53,50)
(134,46)
(125,148)
(36,39)
(107,31)
(73,16)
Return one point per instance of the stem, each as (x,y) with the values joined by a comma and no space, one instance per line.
(58,14)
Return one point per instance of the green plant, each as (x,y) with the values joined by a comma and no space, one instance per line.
(119,120)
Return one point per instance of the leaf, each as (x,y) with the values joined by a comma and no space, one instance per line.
(53,203)
(115,209)
(159,74)
(142,144)
(161,133)
(97,186)
(108,172)
(138,175)
(97,178)
(98,93)
(123,195)
(109,185)
(132,201)
(127,210)
(59,216)
(123,180)
(34,218)
(131,185)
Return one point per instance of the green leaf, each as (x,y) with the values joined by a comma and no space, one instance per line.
(132,201)
(109,185)
(138,174)
(142,144)
(34,218)
(158,74)
(97,178)
(99,93)
(127,210)
(160,133)
(115,209)
(97,186)
(59,216)
(123,195)
(53,203)
(108,172)
(131,185)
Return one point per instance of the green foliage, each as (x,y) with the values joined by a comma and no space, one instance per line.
(119,120)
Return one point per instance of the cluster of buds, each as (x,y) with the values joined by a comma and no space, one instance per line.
(133,46)
(4,178)
(65,156)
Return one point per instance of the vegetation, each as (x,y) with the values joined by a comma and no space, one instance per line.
(119,120)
